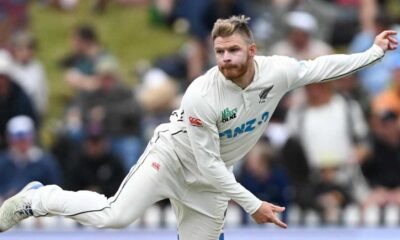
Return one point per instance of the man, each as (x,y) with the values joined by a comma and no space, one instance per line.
(333,153)
(189,160)
(24,161)
(28,71)
(114,107)
(95,167)
(87,52)
(300,42)
(13,99)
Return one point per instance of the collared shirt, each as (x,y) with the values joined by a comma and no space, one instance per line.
(219,122)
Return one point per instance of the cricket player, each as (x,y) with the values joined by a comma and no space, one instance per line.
(189,160)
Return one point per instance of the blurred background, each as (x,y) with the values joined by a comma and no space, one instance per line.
(84,83)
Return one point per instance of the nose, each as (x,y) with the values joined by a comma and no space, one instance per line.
(226,57)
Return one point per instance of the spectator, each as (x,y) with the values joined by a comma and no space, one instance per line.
(300,42)
(262,175)
(201,16)
(376,78)
(382,168)
(331,196)
(157,95)
(95,168)
(349,87)
(333,156)
(114,107)
(13,100)
(23,161)
(389,99)
(86,53)
(327,108)
(28,71)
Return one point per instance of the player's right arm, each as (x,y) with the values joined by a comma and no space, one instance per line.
(330,67)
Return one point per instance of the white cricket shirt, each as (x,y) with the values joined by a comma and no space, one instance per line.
(219,122)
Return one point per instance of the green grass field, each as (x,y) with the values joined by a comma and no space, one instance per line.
(125,31)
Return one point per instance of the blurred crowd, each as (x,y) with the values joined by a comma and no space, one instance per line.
(327,145)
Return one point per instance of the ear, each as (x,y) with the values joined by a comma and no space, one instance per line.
(252,49)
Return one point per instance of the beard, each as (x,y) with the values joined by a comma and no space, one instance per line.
(234,71)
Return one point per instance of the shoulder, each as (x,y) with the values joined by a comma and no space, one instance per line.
(346,100)
(204,84)
(202,87)
(200,97)
(348,104)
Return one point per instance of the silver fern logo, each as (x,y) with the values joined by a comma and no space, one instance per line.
(264,93)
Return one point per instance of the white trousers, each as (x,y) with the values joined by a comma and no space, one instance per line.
(156,176)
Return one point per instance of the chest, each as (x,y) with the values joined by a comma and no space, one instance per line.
(244,112)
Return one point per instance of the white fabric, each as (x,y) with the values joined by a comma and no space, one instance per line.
(208,152)
(325,131)
(31,77)
(195,162)
(199,212)
(6,64)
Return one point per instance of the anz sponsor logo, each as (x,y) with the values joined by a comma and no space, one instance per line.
(228,114)
(246,127)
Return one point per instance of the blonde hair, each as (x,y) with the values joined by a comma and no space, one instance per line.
(234,24)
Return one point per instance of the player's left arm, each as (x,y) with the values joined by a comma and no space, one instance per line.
(334,66)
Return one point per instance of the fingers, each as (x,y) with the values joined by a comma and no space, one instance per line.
(278,222)
(392,43)
(386,40)
(278,209)
(275,219)
(267,213)
(392,39)
(386,33)
(391,47)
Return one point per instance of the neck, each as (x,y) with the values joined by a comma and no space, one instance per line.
(245,80)
(318,101)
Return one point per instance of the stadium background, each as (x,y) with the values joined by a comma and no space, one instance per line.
(155,48)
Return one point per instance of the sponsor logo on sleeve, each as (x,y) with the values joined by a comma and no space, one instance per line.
(156,166)
(195,122)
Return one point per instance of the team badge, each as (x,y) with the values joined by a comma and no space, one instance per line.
(264,93)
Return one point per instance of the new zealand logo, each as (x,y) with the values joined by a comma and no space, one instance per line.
(264,93)
(228,114)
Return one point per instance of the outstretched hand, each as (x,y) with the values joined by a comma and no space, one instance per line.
(386,40)
(267,214)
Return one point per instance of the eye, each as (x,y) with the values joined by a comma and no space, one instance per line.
(219,51)
(233,50)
